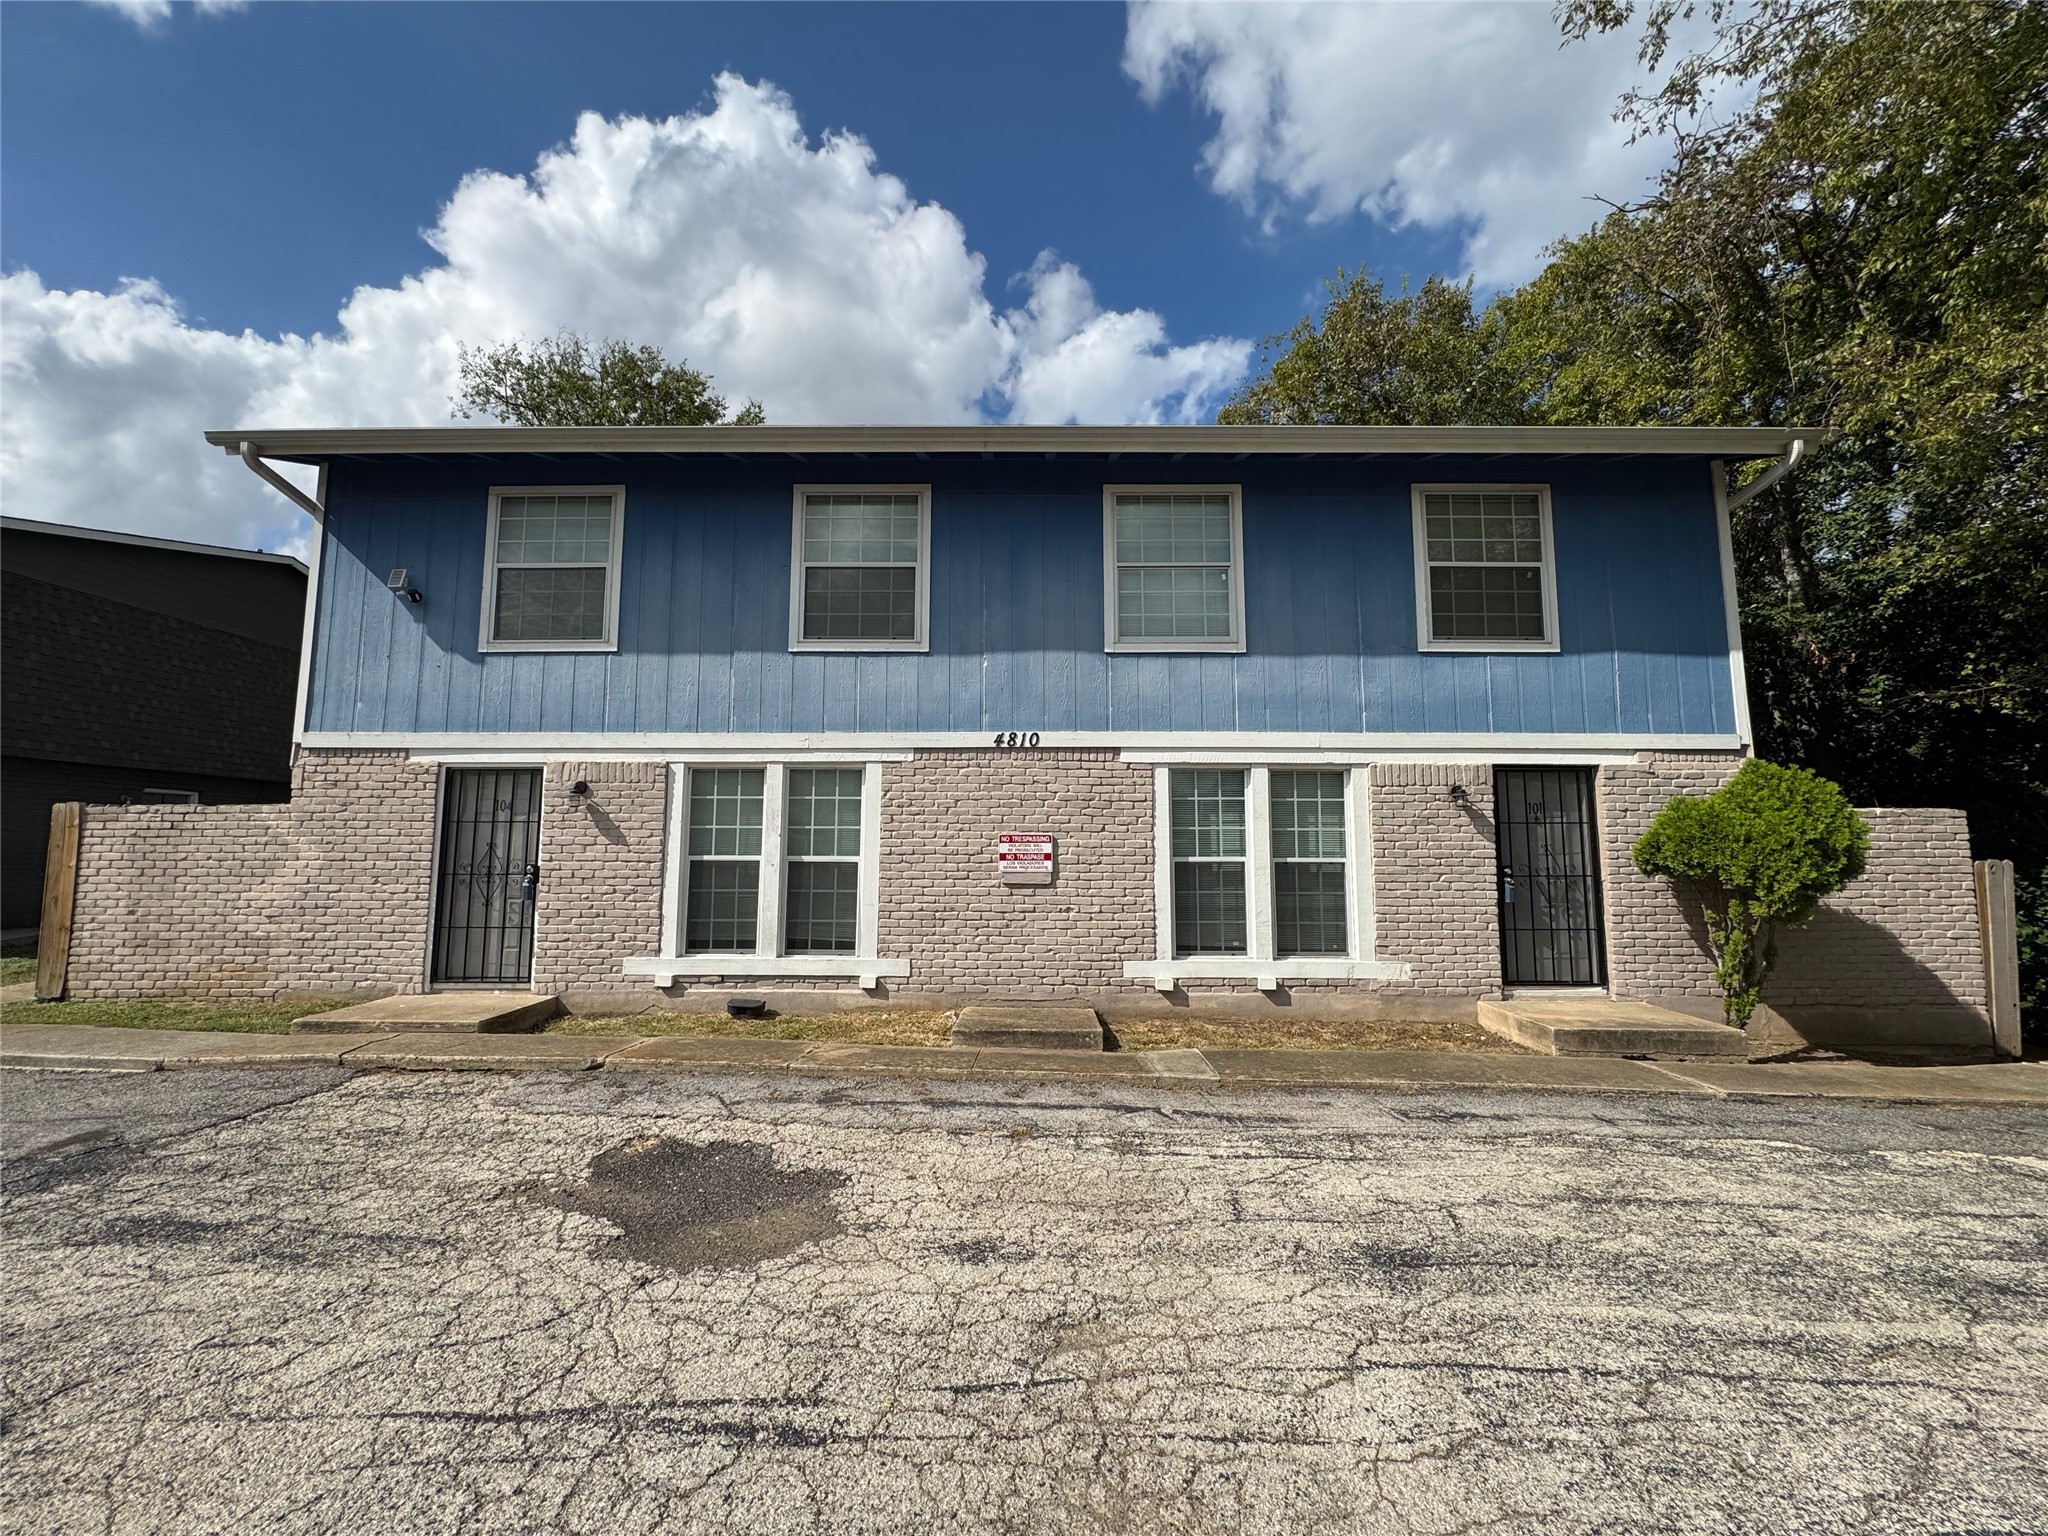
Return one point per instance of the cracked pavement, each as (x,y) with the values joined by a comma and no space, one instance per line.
(295,1302)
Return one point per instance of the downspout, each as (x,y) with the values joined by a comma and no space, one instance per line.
(306,503)
(1756,487)
(1725,502)
(315,506)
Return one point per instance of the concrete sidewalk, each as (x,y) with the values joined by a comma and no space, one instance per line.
(148,1050)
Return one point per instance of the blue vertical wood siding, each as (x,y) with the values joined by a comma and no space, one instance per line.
(1016,606)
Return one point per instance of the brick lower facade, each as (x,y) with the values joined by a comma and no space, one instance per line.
(333,892)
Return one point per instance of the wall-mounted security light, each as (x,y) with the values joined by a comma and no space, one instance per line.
(397,583)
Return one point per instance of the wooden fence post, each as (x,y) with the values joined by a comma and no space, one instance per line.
(1997,924)
(60,889)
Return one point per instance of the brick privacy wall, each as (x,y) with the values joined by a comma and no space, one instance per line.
(1435,895)
(601,872)
(965,932)
(1901,941)
(1654,931)
(332,892)
(183,901)
(1903,936)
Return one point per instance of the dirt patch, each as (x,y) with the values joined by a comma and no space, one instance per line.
(852,1028)
(687,1205)
(1149,1034)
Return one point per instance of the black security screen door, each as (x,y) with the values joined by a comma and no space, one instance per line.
(1550,932)
(484,896)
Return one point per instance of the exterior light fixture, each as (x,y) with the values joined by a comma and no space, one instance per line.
(1460,798)
(580,788)
(397,583)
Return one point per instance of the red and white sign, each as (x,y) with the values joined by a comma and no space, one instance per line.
(1024,858)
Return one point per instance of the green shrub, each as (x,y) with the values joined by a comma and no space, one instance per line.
(1759,852)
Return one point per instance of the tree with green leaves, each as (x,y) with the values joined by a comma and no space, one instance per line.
(1863,248)
(565,381)
(1380,359)
(1758,855)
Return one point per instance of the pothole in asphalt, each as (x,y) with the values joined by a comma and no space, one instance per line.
(688,1205)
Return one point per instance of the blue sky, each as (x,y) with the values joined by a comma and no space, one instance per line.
(261,164)
(856,212)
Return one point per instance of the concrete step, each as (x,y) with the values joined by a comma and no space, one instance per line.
(1029,1027)
(1609,1026)
(451,1013)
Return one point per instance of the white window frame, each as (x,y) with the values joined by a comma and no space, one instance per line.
(488,624)
(1234,643)
(1261,963)
(921,639)
(1419,495)
(765,961)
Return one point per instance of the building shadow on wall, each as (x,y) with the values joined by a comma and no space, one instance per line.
(1846,986)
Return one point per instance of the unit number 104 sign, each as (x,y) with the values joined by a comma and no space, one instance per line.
(1024,858)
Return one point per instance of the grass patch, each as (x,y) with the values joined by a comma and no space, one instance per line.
(854,1028)
(136,1013)
(1146,1034)
(17,962)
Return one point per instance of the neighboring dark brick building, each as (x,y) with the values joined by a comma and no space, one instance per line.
(136,669)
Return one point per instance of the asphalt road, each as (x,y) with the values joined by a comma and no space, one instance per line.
(291,1301)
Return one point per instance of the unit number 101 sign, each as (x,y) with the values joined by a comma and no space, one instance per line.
(1024,858)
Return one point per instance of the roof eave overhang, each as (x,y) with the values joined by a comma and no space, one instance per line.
(319,444)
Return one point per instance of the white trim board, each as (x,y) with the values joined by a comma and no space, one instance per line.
(1738,674)
(1414,746)
(309,629)
(667,970)
(1165,974)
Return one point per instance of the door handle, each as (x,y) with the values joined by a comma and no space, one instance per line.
(529,883)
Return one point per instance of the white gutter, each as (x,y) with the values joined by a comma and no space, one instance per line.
(1769,477)
(314,444)
(306,503)
(316,506)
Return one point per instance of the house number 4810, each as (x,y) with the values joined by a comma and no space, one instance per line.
(1016,738)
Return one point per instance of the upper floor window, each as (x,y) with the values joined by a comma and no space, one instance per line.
(551,568)
(860,577)
(1485,577)
(1173,563)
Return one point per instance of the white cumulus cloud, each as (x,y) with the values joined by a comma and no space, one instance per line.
(149,14)
(1469,115)
(795,272)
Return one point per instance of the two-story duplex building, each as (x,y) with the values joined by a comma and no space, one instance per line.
(1225,717)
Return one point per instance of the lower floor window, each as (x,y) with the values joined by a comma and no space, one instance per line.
(1261,862)
(1308,864)
(1208,861)
(774,860)
(824,860)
